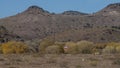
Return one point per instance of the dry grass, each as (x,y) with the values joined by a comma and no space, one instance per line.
(59,61)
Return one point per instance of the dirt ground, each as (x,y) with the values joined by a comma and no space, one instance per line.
(60,61)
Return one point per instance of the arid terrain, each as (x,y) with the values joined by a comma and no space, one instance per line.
(60,61)
(36,38)
(37,23)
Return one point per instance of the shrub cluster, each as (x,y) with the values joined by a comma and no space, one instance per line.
(98,48)
(44,44)
(70,47)
(33,45)
(13,47)
(54,49)
(112,47)
(84,47)
(48,46)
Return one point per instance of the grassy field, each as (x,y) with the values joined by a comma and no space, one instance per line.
(60,61)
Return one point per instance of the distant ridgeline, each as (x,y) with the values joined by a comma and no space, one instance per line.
(37,23)
(71,12)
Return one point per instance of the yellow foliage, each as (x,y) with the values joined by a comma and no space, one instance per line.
(13,47)
(112,47)
(85,47)
(114,44)
(109,49)
(118,49)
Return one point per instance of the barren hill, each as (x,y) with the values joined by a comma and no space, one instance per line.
(36,22)
(112,9)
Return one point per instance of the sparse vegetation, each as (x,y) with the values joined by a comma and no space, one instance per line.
(51,60)
(48,46)
(116,61)
(63,64)
(93,63)
(37,38)
(78,66)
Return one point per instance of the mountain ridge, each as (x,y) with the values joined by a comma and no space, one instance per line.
(36,22)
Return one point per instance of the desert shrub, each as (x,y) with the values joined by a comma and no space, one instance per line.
(100,45)
(44,44)
(114,44)
(112,47)
(33,45)
(62,44)
(70,48)
(54,49)
(118,49)
(13,47)
(97,49)
(109,49)
(85,47)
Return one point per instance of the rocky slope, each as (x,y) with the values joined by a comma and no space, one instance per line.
(36,22)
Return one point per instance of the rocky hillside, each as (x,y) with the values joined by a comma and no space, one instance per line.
(36,22)
(5,35)
(112,9)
